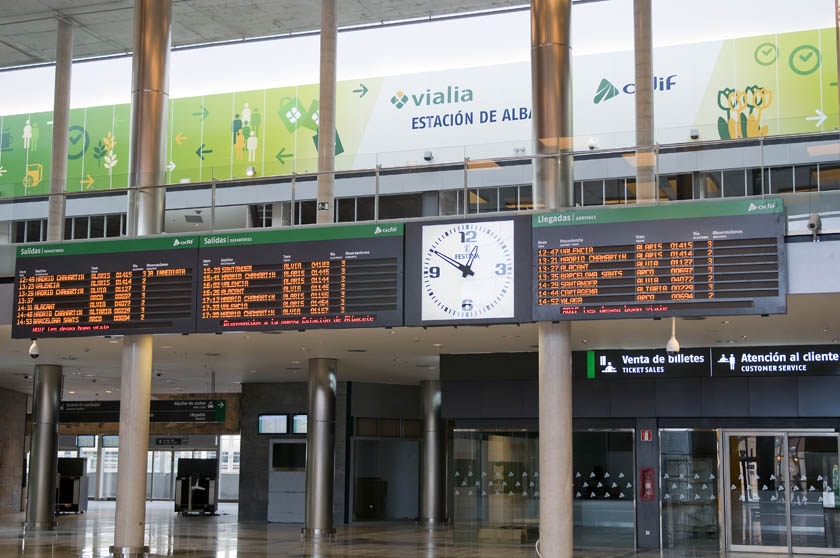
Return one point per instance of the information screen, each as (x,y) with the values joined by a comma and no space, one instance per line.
(716,258)
(343,276)
(106,287)
(273,424)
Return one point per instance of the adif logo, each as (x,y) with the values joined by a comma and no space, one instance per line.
(606,90)
(380,230)
(399,99)
(754,207)
(186,242)
(452,94)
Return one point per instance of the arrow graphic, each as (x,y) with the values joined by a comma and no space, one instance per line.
(87,183)
(363,90)
(2,171)
(179,138)
(203,114)
(201,151)
(171,166)
(282,155)
(820,117)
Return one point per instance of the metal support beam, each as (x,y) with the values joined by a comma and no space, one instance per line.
(433,456)
(43,461)
(326,113)
(551,86)
(646,191)
(555,386)
(61,130)
(149,103)
(320,449)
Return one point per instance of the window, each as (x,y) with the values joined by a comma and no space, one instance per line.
(676,187)
(734,183)
(805,178)
(712,184)
(33,230)
(614,191)
(781,180)
(400,206)
(829,176)
(593,192)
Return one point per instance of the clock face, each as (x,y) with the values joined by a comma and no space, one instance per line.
(467,271)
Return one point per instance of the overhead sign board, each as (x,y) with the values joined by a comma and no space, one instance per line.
(161,410)
(697,259)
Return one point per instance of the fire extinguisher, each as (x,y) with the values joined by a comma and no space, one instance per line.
(647,484)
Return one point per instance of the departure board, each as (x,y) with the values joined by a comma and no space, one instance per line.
(326,277)
(697,259)
(122,287)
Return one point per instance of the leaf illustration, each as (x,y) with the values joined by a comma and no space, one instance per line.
(723,128)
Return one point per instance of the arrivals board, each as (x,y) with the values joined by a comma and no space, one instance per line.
(108,287)
(697,259)
(325,277)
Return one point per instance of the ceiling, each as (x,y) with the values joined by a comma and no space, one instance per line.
(403,355)
(105,27)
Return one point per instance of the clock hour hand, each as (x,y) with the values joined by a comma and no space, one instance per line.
(459,266)
(467,270)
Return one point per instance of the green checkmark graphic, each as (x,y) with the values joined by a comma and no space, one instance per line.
(74,139)
(765,54)
(805,60)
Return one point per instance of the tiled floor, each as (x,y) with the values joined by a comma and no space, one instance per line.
(91,534)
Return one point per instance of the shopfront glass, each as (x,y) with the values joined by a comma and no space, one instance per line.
(496,487)
(689,489)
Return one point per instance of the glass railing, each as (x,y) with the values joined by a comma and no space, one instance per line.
(464,180)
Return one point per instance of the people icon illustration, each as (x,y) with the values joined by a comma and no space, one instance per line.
(610,369)
(36,133)
(252,147)
(246,114)
(256,118)
(237,125)
(239,145)
(27,134)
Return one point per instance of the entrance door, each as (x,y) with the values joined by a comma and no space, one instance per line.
(780,492)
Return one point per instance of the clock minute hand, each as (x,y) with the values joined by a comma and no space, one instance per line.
(460,267)
(467,270)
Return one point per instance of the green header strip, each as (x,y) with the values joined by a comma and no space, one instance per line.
(590,365)
(109,246)
(301,235)
(627,213)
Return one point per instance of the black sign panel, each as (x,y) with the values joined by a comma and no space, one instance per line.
(468,271)
(161,410)
(630,364)
(328,277)
(799,360)
(109,287)
(698,259)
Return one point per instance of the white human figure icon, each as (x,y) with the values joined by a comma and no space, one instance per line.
(27,134)
(252,147)
(246,114)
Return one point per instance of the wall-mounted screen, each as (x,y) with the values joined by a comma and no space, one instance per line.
(289,456)
(273,424)
(85,441)
(299,424)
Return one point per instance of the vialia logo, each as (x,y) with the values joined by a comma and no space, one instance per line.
(452,94)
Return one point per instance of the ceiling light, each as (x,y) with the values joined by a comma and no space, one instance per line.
(212,354)
(725,322)
(295,362)
(584,341)
(71,391)
(166,346)
(107,391)
(90,375)
(252,371)
(76,373)
(356,350)
(114,341)
(437,345)
(673,346)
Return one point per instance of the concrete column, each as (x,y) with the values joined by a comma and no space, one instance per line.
(326,112)
(61,130)
(100,474)
(555,385)
(320,449)
(433,456)
(43,457)
(149,106)
(136,390)
(551,84)
(646,190)
(149,102)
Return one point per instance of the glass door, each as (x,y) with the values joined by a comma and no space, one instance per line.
(757,498)
(782,492)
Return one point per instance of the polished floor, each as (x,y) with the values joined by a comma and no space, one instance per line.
(89,536)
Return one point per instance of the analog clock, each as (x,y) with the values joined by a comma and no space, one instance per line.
(467,271)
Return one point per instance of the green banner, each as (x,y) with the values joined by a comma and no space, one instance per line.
(626,213)
(109,246)
(301,235)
